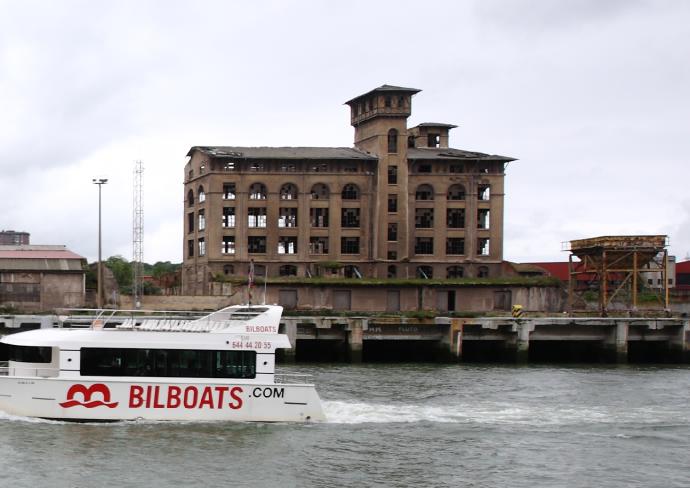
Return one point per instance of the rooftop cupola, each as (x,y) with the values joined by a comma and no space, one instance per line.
(429,134)
(384,101)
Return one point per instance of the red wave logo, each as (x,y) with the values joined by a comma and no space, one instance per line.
(87,393)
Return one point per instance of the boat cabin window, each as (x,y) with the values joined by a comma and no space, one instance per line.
(187,363)
(30,354)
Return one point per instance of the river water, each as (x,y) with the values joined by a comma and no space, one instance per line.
(395,425)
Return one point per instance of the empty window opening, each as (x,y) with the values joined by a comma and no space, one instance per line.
(352,271)
(228,269)
(455,218)
(229,166)
(423,218)
(202,246)
(190,197)
(350,192)
(202,220)
(483,246)
(392,175)
(387,101)
(228,217)
(190,248)
(256,244)
(423,168)
(392,255)
(202,194)
(287,245)
(424,245)
(257,191)
(425,272)
(455,272)
(228,245)
(483,218)
(456,192)
(433,140)
(392,141)
(392,203)
(318,245)
(393,232)
(455,245)
(318,217)
(424,192)
(287,217)
(392,271)
(456,168)
(256,217)
(257,166)
(190,222)
(287,270)
(484,192)
(349,245)
(483,272)
(410,141)
(319,192)
(350,217)
(288,192)
(288,167)
(229,192)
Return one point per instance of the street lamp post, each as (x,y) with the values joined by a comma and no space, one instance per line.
(99,298)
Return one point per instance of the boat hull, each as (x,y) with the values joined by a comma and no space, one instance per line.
(178,399)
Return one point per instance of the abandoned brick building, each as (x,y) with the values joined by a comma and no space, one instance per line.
(400,204)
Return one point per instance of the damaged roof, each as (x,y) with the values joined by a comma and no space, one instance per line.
(448,153)
(39,258)
(321,153)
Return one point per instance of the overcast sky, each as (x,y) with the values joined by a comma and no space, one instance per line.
(592,97)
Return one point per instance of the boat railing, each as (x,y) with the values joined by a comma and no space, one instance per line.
(28,372)
(292,378)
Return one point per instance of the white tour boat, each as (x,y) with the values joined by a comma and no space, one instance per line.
(218,367)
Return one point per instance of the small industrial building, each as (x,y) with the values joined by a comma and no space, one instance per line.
(41,278)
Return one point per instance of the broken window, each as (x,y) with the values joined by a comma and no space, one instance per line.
(318,217)
(483,218)
(350,217)
(256,217)
(202,246)
(202,220)
(483,246)
(318,245)
(228,269)
(202,195)
(456,192)
(387,101)
(349,245)
(287,245)
(190,222)
(228,217)
(393,232)
(456,168)
(228,246)
(352,271)
(257,166)
(483,272)
(257,191)
(454,272)
(319,192)
(425,272)
(410,141)
(287,270)
(190,248)
(229,191)
(318,167)
(424,192)
(484,192)
(433,140)
(288,192)
(190,197)
(392,203)
(229,166)
(350,192)
(393,255)
(350,168)
(422,168)
(202,168)
(455,245)
(392,271)
(288,167)
(423,218)
(256,244)
(287,217)
(392,175)
(424,245)
(392,141)
(455,218)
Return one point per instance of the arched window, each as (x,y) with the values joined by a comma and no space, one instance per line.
(424,192)
(202,195)
(392,271)
(392,141)
(287,270)
(456,192)
(319,192)
(425,272)
(483,272)
(350,192)
(190,198)
(257,191)
(288,192)
(454,272)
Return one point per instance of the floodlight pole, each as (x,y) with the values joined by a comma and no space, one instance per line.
(99,297)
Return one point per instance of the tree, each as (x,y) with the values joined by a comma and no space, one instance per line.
(122,270)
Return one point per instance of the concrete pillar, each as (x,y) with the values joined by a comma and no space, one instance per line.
(289,355)
(355,340)
(522,328)
(457,330)
(679,345)
(617,342)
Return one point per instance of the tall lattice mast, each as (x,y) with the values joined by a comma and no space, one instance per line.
(138,235)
